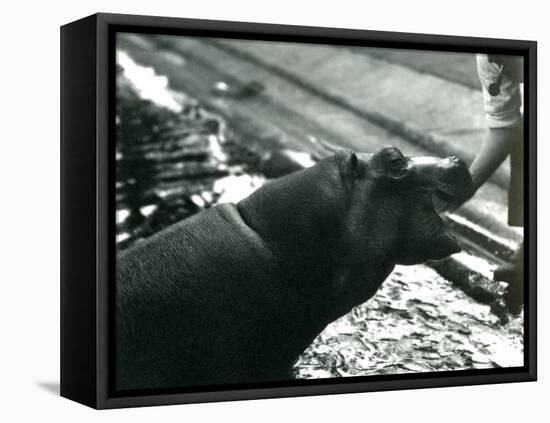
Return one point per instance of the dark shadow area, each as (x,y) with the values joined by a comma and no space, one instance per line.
(51,387)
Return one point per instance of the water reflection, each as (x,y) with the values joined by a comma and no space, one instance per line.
(170,153)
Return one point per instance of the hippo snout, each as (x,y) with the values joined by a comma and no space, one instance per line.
(449,178)
(455,179)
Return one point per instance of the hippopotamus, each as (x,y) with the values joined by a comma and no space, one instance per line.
(235,293)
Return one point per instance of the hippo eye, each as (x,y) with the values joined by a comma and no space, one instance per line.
(397,167)
(397,163)
(390,162)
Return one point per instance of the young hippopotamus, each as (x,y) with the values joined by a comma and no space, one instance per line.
(235,293)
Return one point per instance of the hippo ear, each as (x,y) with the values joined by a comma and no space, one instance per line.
(353,165)
(353,162)
(390,162)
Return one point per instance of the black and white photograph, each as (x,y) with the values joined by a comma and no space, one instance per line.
(290,211)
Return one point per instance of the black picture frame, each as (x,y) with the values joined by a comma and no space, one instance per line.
(87,235)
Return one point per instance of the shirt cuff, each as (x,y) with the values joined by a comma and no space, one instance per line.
(508,119)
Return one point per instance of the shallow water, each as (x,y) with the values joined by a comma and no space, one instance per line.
(171,162)
(175,161)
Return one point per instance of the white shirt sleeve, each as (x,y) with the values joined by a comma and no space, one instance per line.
(504,109)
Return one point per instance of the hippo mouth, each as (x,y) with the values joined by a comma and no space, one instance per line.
(447,196)
(453,186)
(446,200)
(453,182)
(455,193)
(449,178)
(442,242)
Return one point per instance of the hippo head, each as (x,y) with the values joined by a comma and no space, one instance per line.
(391,202)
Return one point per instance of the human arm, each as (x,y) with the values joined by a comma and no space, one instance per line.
(494,150)
(503,114)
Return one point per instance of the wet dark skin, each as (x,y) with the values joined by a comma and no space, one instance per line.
(236,293)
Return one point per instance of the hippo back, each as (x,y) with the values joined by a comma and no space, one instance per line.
(189,298)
